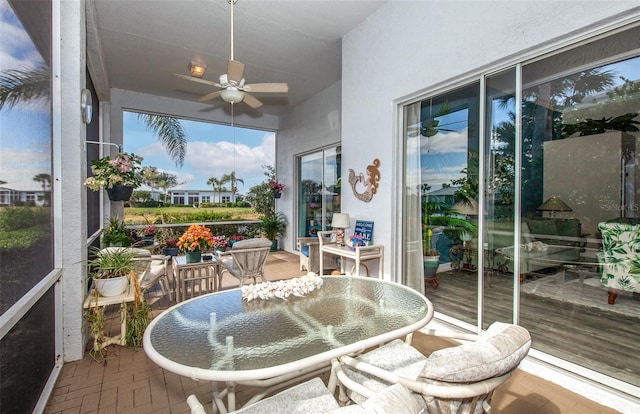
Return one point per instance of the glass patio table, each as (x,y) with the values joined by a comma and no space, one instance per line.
(271,343)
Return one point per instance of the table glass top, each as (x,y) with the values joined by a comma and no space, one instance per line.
(222,332)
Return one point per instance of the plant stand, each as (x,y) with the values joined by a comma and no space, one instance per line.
(102,341)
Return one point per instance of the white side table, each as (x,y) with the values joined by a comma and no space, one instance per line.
(359,255)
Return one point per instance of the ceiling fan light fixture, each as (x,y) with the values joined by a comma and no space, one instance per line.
(232,95)
(197,69)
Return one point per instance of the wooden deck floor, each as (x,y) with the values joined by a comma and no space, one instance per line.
(128,382)
(602,340)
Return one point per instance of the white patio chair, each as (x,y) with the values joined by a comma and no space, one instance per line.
(313,397)
(460,379)
(246,259)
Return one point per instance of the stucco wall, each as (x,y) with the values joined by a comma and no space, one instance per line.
(314,124)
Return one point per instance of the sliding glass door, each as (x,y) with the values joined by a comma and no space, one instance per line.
(548,148)
(319,191)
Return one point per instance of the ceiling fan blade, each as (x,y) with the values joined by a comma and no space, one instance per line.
(235,71)
(252,101)
(209,96)
(267,87)
(191,78)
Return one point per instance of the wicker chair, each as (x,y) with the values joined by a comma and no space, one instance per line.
(246,259)
(459,379)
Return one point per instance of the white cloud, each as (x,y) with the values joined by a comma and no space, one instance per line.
(450,142)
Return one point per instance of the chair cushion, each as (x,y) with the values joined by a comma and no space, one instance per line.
(309,397)
(397,356)
(394,399)
(497,352)
(305,250)
(252,243)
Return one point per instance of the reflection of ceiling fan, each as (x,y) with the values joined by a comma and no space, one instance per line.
(234,89)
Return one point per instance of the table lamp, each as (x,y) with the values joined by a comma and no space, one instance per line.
(554,204)
(340,221)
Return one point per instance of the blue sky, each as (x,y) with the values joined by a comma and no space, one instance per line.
(24,151)
(213,150)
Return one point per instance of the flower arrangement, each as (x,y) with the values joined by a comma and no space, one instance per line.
(124,169)
(220,242)
(275,186)
(196,237)
(298,286)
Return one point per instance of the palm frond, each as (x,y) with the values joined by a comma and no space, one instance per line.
(24,85)
(171,133)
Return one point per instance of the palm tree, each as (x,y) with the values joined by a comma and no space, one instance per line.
(231,178)
(44,180)
(29,84)
(218,185)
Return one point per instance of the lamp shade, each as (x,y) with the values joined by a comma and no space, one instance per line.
(468,207)
(232,95)
(341,221)
(197,69)
(554,204)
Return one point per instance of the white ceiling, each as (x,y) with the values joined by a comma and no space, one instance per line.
(137,45)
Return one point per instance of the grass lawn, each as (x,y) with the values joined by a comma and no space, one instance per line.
(154,215)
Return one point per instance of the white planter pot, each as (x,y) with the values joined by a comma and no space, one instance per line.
(113,286)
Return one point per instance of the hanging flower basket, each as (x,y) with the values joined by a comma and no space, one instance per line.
(120,193)
(277,195)
(118,175)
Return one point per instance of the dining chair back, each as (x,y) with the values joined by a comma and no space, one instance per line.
(246,259)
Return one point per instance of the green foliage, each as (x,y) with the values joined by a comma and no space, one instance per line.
(23,227)
(138,318)
(14,218)
(590,126)
(261,196)
(115,234)
(274,225)
(112,263)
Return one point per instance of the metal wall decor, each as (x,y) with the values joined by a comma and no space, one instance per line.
(370,183)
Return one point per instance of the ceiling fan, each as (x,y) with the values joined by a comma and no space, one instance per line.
(233,85)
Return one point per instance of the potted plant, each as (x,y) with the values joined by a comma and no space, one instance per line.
(115,234)
(220,243)
(194,240)
(111,269)
(276,188)
(236,238)
(118,175)
(170,246)
(273,226)
(149,233)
